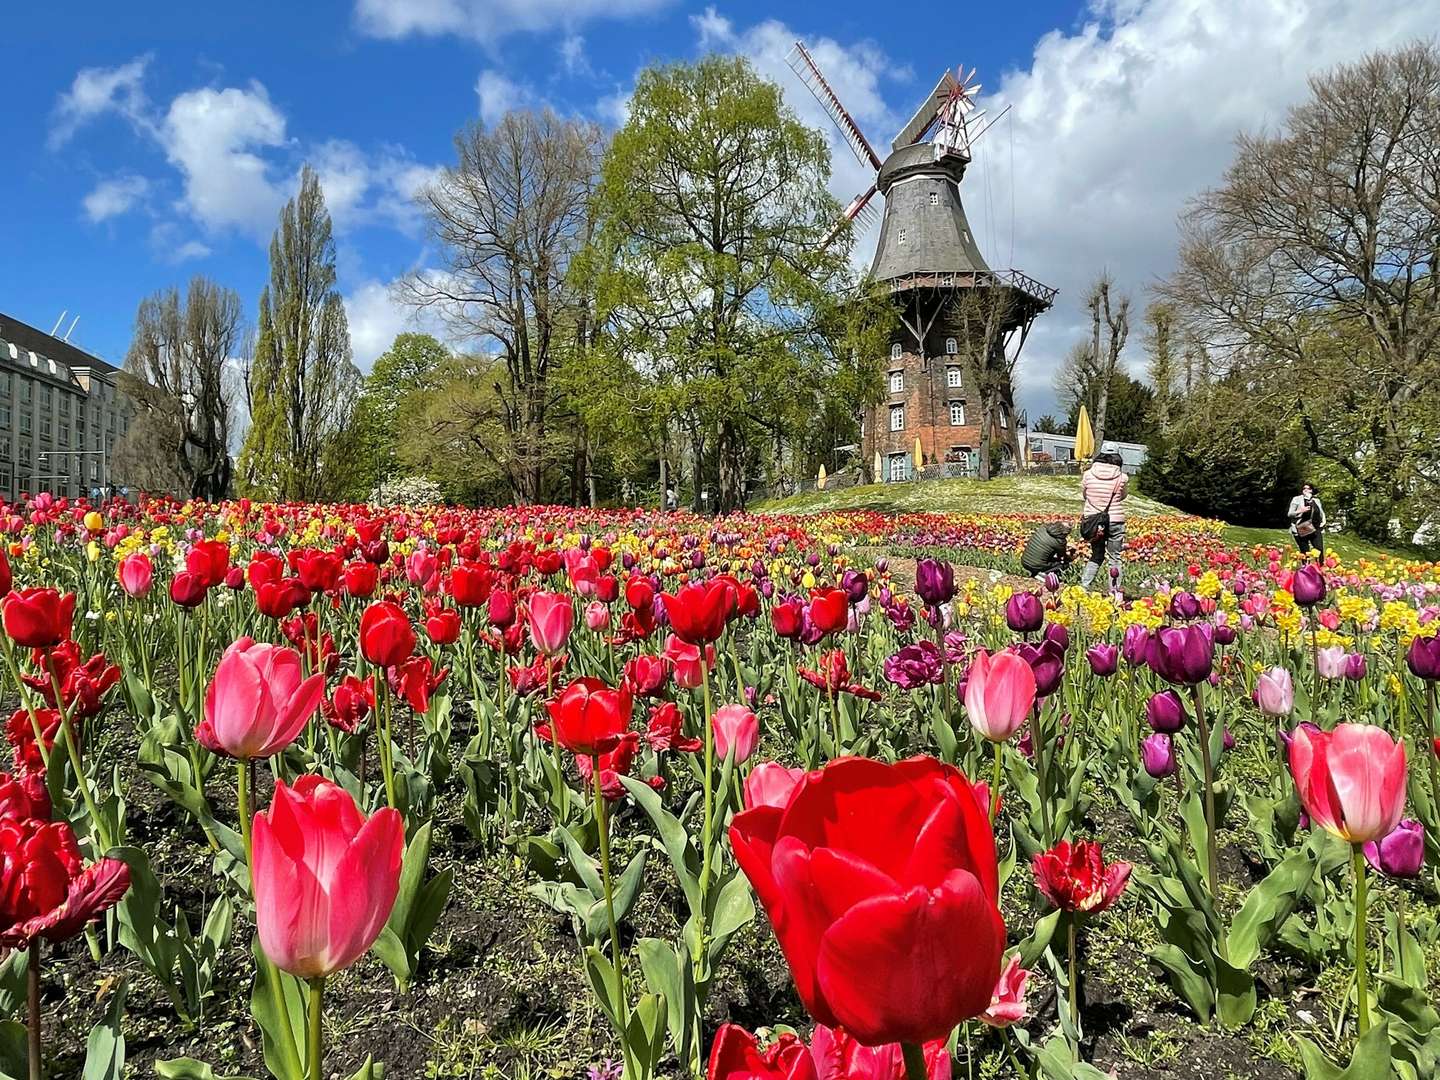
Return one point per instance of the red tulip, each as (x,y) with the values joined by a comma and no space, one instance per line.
(209,560)
(188,589)
(551,618)
(737,1055)
(788,618)
(361,579)
(136,574)
(325,877)
(351,703)
(639,593)
(1351,780)
(46,891)
(277,599)
(881,884)
(386,636)
(666,730)
(7,577)
(470,584)
(1074,878)
(501,608)
(37,618)
(23,797)
(415,680)
(698,613)
(837,1056)
(645,675)
(685,660)
(258,700)
(999,694)
(442,625)
(589,717)
(829,610)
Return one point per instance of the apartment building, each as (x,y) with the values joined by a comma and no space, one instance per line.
(61,414)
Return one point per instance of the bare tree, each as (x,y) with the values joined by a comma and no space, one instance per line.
(1160,345)
(510,216)
(177,366)
(1312,269)
(1109,327)
(991,338)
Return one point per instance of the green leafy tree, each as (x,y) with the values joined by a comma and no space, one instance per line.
(1130,410)
(302,383)
(409,367)
(711,274)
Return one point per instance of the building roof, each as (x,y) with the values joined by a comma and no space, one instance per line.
(52,348)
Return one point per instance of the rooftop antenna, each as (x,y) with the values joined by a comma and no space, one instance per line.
(59,321)
(73,321)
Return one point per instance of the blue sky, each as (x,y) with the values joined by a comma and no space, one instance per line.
(147,146)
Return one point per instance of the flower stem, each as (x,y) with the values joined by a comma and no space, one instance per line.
(242,809)
(914,1055)
(1208,768)
(1400,934)
(1362,975)
(995,787)
(708,825)
(315,1033)
(67,727)
(622,1008)
(32,1000)
(1074,981)
(1429,750)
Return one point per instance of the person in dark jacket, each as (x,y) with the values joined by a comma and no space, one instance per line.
(1047,549)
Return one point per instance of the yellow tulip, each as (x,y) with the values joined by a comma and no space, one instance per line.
(93,521)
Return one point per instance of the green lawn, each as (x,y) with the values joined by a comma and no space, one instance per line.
(1058,495)
(1348,548)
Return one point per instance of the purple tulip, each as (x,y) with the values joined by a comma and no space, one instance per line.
(1227,741)
(855,584)
(1136,645)
(1157,754)
(1184,655)
(1401,852)
(1308,585)
(1166,712)
(934,582)
(1275,693)
(1185,606)
(1423,658)
(1331,662)
(915,666)
(1057,633)
(881,565)
(1052,581)
(1024,613)
(1104,658)
(1224,634)
(1355,667)
(767,588)
(1047,661)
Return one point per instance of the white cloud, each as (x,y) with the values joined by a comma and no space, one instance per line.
(115,196)
(498,95)
(190,249)
(96,91)
(376,316)
(217,139)
(368,189)
(170,244)
(572,55)
(1117,125)
(488,20)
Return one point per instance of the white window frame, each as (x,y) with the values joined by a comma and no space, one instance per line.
(902,237)
(934,198)
(954,377)
(895,351)
(897,382)
(896,468)
(1004,418)
(957,409)
(952,347)
(897,412)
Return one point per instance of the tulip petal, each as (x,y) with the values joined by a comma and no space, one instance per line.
(908,967)
(364,887)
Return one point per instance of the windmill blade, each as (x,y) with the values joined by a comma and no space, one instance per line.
(860,211)
(803,64)
(924,116)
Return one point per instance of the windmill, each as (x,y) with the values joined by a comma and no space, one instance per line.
(927,257)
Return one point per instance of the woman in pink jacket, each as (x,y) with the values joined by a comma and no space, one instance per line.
(1103,487)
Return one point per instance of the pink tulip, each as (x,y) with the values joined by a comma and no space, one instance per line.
(597,616)
(685,660)
(1007,1004)
(1331,662)
(1351,780)
(136,574)
(325,878)
(421,568)
(737,728)
(258,700)
(770,784)
(552,616)
(999,694)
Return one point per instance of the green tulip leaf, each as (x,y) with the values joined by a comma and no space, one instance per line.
(1370,1061)
(1267,907)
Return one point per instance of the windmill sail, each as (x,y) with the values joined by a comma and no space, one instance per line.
(924,116)
(803,64)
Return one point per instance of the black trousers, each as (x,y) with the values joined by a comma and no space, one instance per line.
(1315,540)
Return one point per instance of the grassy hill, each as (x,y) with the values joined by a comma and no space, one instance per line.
(1057,495)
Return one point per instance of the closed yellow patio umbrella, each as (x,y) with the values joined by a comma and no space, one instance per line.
(820,479)
(919,455)
(1084,437)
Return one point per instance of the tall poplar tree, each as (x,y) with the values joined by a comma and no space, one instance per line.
(303,383)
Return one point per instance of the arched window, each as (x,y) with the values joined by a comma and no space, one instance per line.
(895,351)
(952,347)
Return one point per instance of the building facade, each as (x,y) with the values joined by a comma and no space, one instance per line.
(1042,447)
(61,414)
